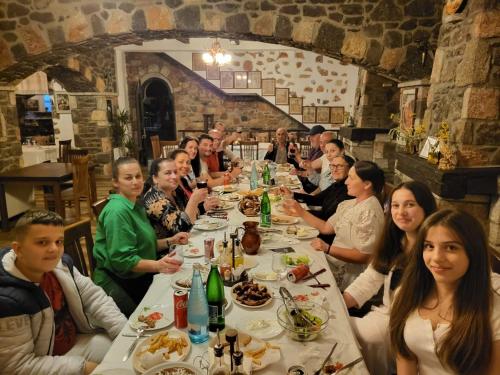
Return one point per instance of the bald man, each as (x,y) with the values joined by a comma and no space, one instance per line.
(278,149)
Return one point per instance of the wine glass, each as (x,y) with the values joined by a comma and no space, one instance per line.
(279,265)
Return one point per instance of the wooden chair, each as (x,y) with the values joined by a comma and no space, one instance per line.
(98,206)
(305,147)
(155,146)
(167,146)
(64,146)
(249,150)
(73,236)
(76,153)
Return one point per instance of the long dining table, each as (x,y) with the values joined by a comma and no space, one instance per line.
(309,354)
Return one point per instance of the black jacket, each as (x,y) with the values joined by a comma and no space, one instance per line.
(271,155)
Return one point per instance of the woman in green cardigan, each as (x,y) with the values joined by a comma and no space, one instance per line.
(126,245)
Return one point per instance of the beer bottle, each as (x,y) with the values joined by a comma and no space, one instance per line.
(215,298)
(265,210)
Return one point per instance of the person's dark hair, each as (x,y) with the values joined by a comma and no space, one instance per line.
(370,171)
(153,171)
(173,154)
(205,136)
(467,347)
(338,143)
(389,252)
(118,163)
(195,163)
(36,216)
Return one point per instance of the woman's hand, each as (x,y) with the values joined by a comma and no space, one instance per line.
(168,264)
(211,203)
(285,191)
(199,195)
(320,245)
(270,147)
(180,238)
(235,172)
(293,208)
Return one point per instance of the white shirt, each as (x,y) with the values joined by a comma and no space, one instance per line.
(357,226)
(422,339)
(325,176)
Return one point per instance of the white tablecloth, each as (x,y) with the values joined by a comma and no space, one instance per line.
(292,352)
(38,154)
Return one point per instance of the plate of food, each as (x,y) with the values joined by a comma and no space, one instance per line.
(265,276)
(257,192)
(152,317)
(231,197)
(261,328)
(250,205)
(192,252)
(166,346)
(296,259)
(209,223)
(174,368)
(284,219)
(225,188)
(302,232)
(250,294)
(182,280)
(225,205)
(257,354)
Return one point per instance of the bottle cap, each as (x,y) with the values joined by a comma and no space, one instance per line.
(218,350)
(231,335)
(238,357)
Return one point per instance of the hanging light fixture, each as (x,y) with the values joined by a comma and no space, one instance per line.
(216,55)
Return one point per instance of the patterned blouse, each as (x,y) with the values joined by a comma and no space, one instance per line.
(166,217)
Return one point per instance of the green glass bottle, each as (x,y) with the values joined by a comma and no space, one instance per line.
(215,298)
(266,175)
(265,210)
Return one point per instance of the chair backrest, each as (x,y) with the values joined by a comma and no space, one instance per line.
(155,146)
(305,147)
(83,258)
(249,150)
(98,206)
(81,182)
(64,146)
(76,153)
(167,146)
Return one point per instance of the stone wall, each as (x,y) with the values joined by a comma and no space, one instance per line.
(465,89)
(10,135)
(384,36)
(193,97)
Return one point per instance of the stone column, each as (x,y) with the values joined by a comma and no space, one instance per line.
(10,134)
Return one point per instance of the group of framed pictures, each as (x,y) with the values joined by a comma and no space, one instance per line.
(323,115)
(239,80)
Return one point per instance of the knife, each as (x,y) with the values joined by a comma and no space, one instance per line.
(140,331)
(312,275)
(318,371)
(350,364)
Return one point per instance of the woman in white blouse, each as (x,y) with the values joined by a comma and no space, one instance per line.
(410,203)
(445,318)
(357,223)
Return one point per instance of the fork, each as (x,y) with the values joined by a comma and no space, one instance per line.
(140,331)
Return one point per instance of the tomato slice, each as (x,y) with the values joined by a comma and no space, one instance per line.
(155,316)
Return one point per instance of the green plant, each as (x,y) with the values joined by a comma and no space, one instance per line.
(121,135)
(411,137)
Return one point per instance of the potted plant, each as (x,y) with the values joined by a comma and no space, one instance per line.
(409,137)
(123,142)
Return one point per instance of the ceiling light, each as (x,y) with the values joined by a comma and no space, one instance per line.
(216,55)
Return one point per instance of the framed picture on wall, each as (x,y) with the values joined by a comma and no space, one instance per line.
(226,80)
(295,106)
(240,80)
(62,102)
(308,114)
(337,115)
(213,72)
(198,64)
(323,115)
(407,108)
(268,87)
(281,96)
(254,79)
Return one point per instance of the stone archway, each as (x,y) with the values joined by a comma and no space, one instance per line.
(385,36)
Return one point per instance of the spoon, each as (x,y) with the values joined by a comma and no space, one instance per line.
(318,371)
(140,331)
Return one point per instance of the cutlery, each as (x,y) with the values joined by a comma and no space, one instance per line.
(132,335)
(140,331)
(350,364)
(317,280)
(318,371)
(319,285)
(312,275)
(295,311)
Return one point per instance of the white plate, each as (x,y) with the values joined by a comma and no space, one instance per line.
(156,370)
(209,224)
(142,350)
(114,371)
(185,276)
(294,256)
(264,329)
(226,205)
(190,252)
(234,295)
(306,233)
(225,188)
(231,197)
(284,220)
(278,240)
(264,276)
(166,319)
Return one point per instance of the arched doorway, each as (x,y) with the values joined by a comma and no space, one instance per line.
(157,115)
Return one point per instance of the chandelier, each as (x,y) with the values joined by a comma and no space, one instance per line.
(216,55)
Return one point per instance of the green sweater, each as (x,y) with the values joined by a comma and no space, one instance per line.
(124,236)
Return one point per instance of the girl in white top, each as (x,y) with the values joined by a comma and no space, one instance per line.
(357,223)
(410,203)
(445,318)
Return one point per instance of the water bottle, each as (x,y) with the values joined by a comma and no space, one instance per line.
(265,210)
(254,183)
(215,298)
(197,309)
(266,175)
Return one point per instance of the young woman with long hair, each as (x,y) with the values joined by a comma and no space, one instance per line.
(410,203)
(446,317)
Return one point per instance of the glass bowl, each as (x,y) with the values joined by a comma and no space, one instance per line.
(308,333)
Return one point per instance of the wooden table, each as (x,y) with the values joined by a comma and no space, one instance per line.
(44,174)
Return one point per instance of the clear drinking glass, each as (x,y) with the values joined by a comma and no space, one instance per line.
(279,265)
(209,249)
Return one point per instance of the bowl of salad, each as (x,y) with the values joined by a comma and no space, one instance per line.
(305,325)
(296,259)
